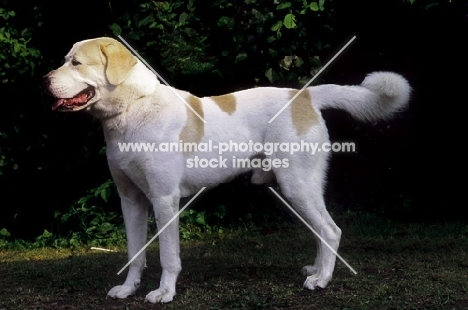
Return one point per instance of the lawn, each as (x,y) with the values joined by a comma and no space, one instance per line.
(399,265)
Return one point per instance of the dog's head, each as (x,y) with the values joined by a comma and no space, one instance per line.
(92,69)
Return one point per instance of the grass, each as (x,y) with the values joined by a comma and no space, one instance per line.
(400,266)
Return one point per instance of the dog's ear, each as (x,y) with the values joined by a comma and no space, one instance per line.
(119,62)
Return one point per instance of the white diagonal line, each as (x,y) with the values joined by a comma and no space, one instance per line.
(316,233)
(161,78)
(311,80)
(161,230)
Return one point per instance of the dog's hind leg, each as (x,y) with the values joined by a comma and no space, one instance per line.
(135,212)
(165,208)
(302,185)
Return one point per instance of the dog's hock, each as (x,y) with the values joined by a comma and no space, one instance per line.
(120,62)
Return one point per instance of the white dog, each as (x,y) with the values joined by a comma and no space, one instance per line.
(103,78)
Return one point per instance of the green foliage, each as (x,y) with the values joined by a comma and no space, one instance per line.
(46,239)
(4,237)
(89,222)
(4,233)
(7,241)
(245,40)
(171,21)
(194,224)
(16,57)
(18,60)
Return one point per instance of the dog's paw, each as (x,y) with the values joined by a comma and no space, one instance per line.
(122,291)
(160,295)
(309,270)
(315,280)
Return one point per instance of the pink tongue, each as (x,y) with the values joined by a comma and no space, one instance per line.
(57,104)
(80,99)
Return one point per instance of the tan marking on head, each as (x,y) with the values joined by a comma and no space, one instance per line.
(119,60)
(87,53)
(227,103)
(303,114)
(194,129)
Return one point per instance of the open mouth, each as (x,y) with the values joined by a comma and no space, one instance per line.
(70,104)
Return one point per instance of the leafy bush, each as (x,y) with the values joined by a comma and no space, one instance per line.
(89,221)
(254,42)
(16,56)
(18,60)
(7,241)
(4,237)
(194,224)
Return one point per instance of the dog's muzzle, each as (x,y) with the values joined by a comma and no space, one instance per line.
(69,104)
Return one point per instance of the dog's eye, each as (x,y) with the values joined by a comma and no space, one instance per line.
(75,62)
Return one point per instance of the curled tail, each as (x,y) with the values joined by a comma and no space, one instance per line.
(379,96)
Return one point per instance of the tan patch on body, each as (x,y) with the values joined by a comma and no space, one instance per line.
(227,103)
(194,129)
(303,114)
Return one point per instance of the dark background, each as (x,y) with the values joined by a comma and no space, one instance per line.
(409,168)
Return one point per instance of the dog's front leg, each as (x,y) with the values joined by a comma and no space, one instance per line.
(165,208)
(135,213)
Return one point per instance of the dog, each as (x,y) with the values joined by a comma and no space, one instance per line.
(102,77)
